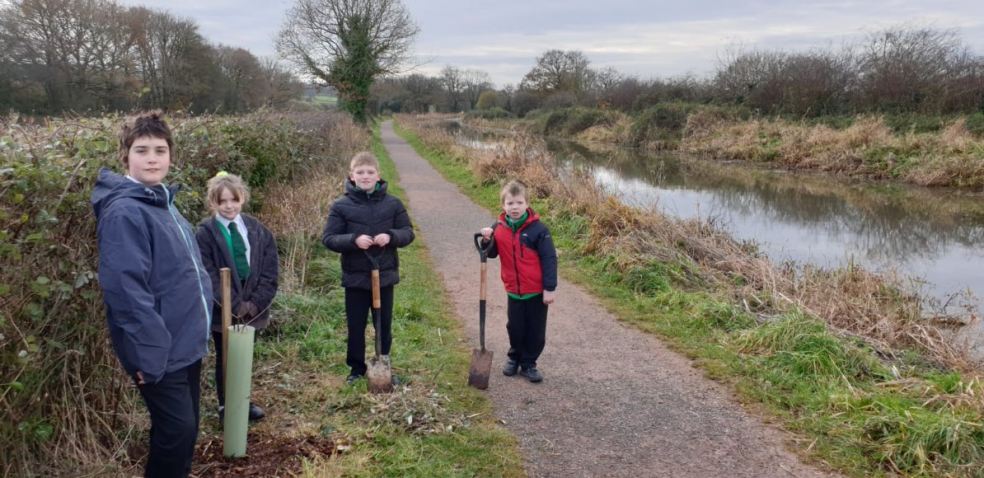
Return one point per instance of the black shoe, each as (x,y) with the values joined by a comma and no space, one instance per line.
(532,374)
(255,412)
(352,378)
(510,368)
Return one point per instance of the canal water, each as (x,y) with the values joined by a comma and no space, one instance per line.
(932,238)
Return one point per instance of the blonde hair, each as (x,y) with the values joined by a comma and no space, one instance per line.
(513,188)
(220,183)
(363,158)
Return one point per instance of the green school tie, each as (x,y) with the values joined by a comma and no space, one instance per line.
(239,252)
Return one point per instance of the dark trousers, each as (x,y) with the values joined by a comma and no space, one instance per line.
(358,307)
(527,327)
(173,406)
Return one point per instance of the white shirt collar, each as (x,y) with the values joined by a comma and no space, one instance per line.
(240,224)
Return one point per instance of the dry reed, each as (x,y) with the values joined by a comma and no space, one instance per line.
(852,301)
(869,148)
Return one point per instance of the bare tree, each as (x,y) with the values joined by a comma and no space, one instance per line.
(906,68)
(72,48)
(347,44)
(475,82)
(177,67)
(423,92)
(558,71)
(752,77)
(454,84)
(281,85)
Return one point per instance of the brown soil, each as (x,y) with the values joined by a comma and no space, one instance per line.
(267,456)
(615,401)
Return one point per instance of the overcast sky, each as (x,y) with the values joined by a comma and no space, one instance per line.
(647,39)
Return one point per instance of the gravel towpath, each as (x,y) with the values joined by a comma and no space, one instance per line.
(615,401)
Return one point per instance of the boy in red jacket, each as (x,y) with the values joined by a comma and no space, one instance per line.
(528,266)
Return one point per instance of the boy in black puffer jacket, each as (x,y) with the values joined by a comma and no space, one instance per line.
(366,217)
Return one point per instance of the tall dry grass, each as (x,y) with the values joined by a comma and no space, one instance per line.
(868,147)
(296,211)
(850,300)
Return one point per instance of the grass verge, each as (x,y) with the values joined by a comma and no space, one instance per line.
(848,404)
(435,425)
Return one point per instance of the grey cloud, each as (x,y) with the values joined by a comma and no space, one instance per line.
(648,39)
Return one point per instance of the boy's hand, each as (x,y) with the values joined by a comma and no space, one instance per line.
(486,233)
(139,379)
(381,239)
(549,296)
(363,242)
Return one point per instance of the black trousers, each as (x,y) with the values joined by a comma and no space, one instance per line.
(174,417)
(358,309)
(527,327)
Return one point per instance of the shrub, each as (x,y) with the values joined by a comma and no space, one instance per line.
(62,389)
(662,123)
(915,123)
(571,121)
(491,113)
(975,124)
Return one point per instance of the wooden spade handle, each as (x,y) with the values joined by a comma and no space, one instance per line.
(376,302)
(484,284)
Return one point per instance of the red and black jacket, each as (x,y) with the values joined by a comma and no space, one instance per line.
(528,260)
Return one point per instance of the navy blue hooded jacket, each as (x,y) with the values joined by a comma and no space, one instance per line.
(156,291)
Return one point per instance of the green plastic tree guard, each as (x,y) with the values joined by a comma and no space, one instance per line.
(238,379)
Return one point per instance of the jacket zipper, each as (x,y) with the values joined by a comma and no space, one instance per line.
(198,272)
(515,241)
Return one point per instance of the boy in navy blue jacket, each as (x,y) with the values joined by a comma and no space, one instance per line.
(366,217)
(528,266)
(156,290)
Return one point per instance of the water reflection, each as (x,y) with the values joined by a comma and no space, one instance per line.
(934,235)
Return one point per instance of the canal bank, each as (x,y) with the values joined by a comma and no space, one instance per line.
(863,407)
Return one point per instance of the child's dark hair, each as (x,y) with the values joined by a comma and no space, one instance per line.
(144,124)
(513,188)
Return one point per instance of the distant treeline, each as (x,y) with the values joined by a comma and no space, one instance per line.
(96,55)
(898,70)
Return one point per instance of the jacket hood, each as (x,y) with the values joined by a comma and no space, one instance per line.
(353,191)
(111,186)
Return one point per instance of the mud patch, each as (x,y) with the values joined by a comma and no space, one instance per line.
(266,456)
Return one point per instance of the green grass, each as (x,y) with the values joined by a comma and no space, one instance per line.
(324,100)
(441,427)
(840,399)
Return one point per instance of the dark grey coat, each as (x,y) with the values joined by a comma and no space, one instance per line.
(264,265)
(358,213)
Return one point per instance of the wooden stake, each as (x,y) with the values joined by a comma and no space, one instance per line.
(226,276)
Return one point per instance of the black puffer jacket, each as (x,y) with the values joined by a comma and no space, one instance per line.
(358,213)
